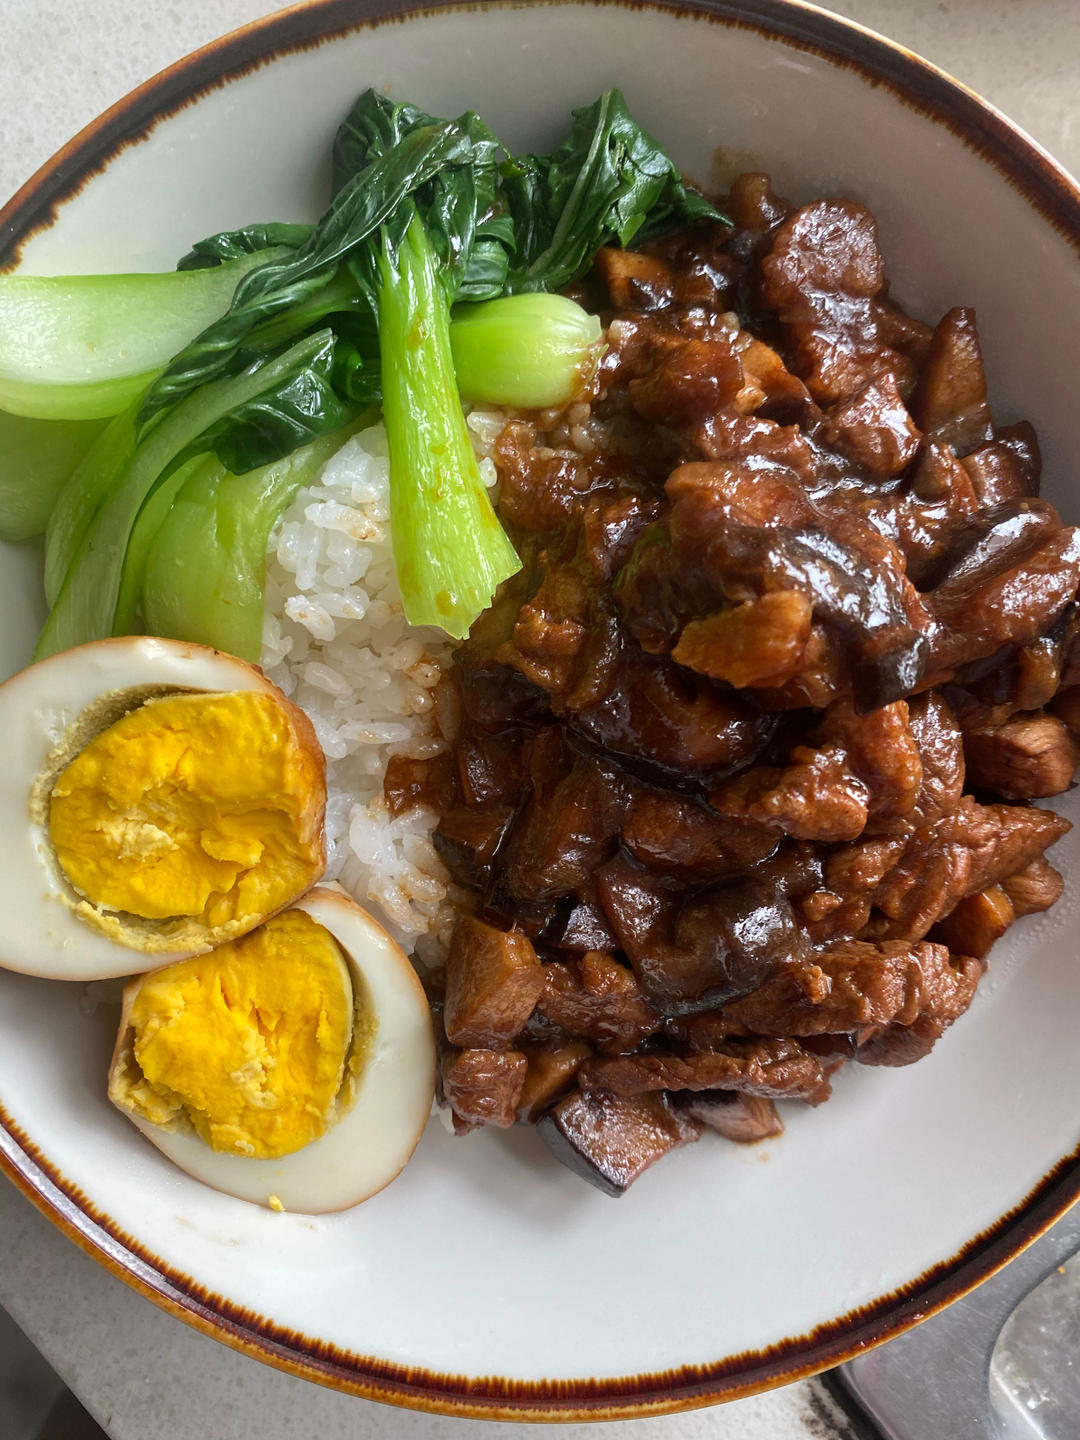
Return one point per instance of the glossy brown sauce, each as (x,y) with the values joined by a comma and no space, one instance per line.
(742,781)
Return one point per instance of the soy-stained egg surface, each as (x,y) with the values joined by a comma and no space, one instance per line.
(157,799)
(294,1068)
(249,1044)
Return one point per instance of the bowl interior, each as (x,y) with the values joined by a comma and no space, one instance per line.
(486,1257)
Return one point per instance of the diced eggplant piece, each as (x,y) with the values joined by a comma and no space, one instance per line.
(744,1118)
(568,828)
(973,925)
(493,981)
(584,927)
(551,1072)
(679,835)
(482,1086)
(1008,467)
(609,1141)
(490,768)
(950,404)
(467,840)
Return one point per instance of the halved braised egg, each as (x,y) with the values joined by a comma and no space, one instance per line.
(157,799)
(294,1067)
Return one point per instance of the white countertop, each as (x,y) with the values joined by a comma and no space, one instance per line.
(144,1375)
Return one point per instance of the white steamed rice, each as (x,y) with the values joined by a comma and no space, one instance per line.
(336,640)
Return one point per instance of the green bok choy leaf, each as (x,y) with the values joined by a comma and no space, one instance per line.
(326,319)
(96,521)
(205,569)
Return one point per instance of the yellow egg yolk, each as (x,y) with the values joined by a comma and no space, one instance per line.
(249,1042)
(197,805)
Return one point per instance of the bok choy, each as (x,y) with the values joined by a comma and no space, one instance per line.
(205,568)
(425,214)
(103,577)
(450,550)
(82,347)
(431,275)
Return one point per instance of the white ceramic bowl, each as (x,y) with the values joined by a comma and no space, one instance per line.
(487,1280)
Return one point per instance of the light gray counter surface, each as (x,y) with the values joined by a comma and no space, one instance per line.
(144,1375)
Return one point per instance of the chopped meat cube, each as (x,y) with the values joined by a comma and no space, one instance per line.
(950,404)
(706,272)
(822,276)
(769,383)
(551,631)
(1036,887)
(973,848)
(532,507)
(493,981)
(840,989)
(733,437)
(551,1072)
(610,1140)
(742,1118)
(925,884)
(483,1087)
(597,999)
(941,756)
(881,750)
(903,1044)
(691,381)
(861,866)
(777,1069)
(635,281)
(759,642)
(817,797)
(1026,758)
(1007,577)
(1002,839)
(976,922)
(874,428)
(710,497)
